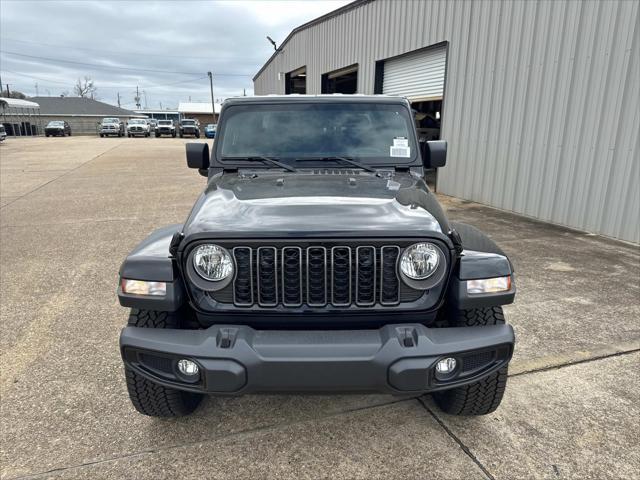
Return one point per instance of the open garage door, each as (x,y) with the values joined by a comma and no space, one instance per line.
(419,76)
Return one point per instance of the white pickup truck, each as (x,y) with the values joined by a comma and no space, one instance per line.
(138,126)
(111,126)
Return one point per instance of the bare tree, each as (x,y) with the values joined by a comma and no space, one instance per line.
(85,88)
(13,94)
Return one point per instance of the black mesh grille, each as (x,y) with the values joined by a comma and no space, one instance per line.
(390,284)
(476,361)
(154,362)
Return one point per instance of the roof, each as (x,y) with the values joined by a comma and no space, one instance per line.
(18,103)
(192,107)
(80,106)
(152,112)
(325,98)
(315,21)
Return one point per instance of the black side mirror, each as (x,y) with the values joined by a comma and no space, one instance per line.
(198,156)
(434,153)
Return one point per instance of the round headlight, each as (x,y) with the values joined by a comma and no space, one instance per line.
(212,262)
(420,261)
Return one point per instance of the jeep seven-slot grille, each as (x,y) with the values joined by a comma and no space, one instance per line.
(316,276)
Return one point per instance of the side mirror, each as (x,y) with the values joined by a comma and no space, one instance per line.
(434,153)
(198,156)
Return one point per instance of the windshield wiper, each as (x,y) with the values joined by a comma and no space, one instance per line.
(348,160)
(262,159)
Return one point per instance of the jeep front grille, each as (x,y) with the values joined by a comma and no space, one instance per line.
(316,276)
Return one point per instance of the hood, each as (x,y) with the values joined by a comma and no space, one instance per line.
(315,204)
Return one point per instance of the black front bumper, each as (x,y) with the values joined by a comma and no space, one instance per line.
(397,359)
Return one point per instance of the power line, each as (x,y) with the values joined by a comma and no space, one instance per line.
(107,67)
(116,52)
(184,81)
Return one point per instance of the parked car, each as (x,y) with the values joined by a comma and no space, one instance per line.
(3,133)
(138,126)
(165,127)
(57,128)
(189,127)
(111,126)
(153,123)
(428,127)
(316,260)
(210,130)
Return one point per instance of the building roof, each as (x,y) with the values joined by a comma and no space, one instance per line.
(315,21)
(18,103)
(80,106)
(150,111)
(192,107)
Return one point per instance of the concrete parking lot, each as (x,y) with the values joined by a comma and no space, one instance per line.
(71,209)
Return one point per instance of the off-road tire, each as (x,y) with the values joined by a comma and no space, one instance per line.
(148,397)
(483,396)
(157,135)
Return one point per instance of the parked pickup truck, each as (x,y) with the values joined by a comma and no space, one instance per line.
(138,126)
(316,260)
(111,126)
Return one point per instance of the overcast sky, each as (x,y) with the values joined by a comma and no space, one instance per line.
(48,43)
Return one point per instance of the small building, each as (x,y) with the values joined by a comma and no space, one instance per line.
(199,111)
(160,114)
(20,117)
(82,114)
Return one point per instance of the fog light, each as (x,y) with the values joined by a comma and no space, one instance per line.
(446,366)
(188,368)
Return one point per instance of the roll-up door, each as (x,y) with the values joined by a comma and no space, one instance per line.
(417,76)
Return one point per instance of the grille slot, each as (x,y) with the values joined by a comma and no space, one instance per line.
(342,276)
(389,282)
(292,276)
(267,274)
(316,276)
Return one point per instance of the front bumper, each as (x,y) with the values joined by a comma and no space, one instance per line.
(397,359)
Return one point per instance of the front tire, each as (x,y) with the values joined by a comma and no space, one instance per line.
(483,396)
(150,398)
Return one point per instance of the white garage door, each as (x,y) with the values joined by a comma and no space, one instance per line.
(418,76)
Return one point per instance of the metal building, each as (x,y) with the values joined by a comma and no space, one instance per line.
(538,100)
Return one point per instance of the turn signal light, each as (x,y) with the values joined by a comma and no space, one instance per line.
(141,287)
(489,285)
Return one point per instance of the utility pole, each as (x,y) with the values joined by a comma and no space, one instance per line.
(137,98)
(37,90)
(118,99)
(244,92)
(144,94)
(213,102)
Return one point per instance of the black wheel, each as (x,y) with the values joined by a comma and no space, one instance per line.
(483,396)
(102,135)
(47,135)
(69,133)
(157,135)
(174,135)
(181,135)
(148,397)
(197,135)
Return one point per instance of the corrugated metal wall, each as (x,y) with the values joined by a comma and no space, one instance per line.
(542,98)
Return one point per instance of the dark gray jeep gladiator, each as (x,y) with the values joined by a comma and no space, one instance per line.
(316,260)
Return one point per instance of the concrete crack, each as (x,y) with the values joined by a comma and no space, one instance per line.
(457,439)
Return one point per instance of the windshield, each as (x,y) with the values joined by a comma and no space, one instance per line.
(164,122)
(55,124)
(211,126)
(111,120)
(368,132)
(188,122)
(137,122)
